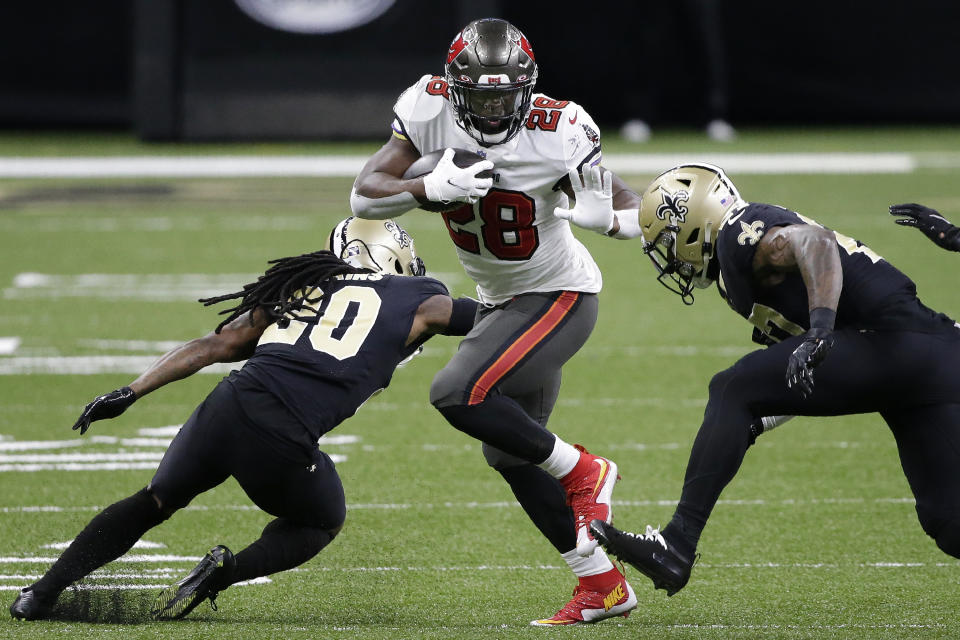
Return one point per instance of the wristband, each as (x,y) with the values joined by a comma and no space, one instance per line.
(629,220)
(951,239)
(822,318)
(462,316)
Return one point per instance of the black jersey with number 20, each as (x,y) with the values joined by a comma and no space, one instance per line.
(323,372)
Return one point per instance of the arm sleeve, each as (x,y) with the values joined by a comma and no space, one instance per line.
(462,317)
(381,208)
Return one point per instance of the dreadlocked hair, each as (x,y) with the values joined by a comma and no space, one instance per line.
(286,287)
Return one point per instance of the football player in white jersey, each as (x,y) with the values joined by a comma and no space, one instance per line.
(537,283)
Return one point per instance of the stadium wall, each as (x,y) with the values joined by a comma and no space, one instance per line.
(204,70)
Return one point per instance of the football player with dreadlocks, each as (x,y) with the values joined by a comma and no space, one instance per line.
(536,282)
(323,332)
(831,311)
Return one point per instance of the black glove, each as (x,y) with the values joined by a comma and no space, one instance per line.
(930,222)
(806,357)
(109,405)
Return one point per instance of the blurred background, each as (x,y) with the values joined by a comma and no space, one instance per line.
(193,70)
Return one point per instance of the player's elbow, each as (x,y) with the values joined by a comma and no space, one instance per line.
(359,205)
(226,346)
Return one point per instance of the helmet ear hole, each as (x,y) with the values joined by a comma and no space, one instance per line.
(397,267)
(694,235)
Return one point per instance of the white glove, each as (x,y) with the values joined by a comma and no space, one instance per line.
(594,207)
(449,183)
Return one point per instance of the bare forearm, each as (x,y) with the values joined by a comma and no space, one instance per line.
(178,363)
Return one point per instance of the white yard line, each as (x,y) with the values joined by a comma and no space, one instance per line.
(506,504)
(349,165)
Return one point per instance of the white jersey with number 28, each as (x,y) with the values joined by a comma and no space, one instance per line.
(510,242)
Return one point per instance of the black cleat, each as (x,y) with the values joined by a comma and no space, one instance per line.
(207,580)
(649,553)
(28,606)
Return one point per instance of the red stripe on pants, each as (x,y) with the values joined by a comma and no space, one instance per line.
(516,351)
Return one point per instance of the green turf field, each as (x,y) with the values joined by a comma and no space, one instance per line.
(816,538)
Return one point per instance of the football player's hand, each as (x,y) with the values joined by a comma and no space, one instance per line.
(929,221)
(805,358)
(109,405)
(449,183)
(594,207)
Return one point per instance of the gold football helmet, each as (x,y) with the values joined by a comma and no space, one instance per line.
(680,215)
(380,245)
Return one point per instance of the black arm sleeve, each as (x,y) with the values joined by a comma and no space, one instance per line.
(952,239)
(461,317)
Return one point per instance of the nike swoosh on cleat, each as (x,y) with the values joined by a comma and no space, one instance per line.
(603,474)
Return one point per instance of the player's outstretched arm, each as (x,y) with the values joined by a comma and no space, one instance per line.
(811,250)
(235,341)
(930,222)
(444,315)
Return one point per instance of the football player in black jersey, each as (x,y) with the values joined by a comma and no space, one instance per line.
(322,333)
(930,222)
(845,333)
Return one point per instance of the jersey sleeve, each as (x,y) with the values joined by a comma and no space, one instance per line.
(740,235)
(432,287)
(419,104)
(581,137)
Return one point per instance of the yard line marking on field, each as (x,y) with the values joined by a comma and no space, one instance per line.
(120,286)
(767,163)
(238,166)
(76,466)
(91,365)
(505,504)
(132,587)
(8,345)
(100,466)
(152,346)
(700,565)
(79,457)
(139,544)
(29,445)
(169,430)
(133,558)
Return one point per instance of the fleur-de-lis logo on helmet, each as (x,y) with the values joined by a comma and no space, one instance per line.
(673,206)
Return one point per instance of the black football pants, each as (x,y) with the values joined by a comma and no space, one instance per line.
(220,440)
(911,379)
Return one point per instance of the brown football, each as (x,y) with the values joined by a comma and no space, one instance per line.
(428,162)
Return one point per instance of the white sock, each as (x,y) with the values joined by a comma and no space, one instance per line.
(594,564)
(562,460)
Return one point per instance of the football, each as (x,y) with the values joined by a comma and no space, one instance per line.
(428,162)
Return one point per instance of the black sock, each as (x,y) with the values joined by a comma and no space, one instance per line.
(282,545)
(502,423)
(108,536)
(545,501)
(683,532)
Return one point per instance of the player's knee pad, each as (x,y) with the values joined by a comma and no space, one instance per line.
(152,506)
(166,509)
(501,460)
